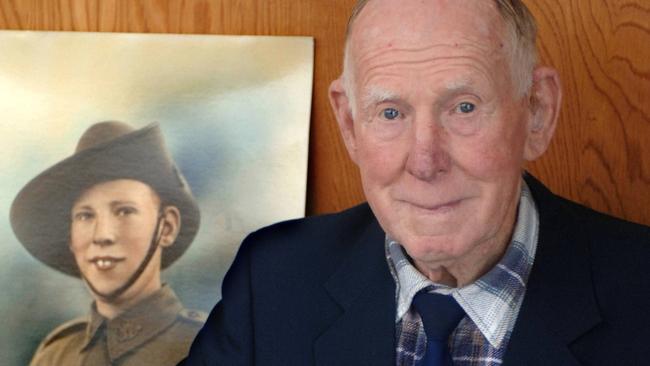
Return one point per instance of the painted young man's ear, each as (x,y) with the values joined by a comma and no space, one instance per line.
(545,101)
(170,226)
(343,112)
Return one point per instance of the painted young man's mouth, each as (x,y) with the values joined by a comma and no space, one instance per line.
(105,263)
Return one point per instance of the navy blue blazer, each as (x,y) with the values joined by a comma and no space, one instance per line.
(318,291)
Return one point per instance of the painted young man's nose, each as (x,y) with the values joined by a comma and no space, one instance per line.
(104,233)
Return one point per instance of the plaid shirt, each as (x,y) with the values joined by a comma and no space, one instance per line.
(491,303)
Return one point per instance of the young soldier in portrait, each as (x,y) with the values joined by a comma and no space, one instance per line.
(114,214)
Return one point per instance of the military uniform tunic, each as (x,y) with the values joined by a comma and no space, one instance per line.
(157,331)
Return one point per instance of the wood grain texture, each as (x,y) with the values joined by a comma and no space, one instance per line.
(601,153)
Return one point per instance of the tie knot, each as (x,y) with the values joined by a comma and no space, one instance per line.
(440,314)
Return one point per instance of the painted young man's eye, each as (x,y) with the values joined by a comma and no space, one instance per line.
(390,113)
(466,107)
(82,216)
(124,211)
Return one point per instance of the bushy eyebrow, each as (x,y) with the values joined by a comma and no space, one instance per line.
(376,95)
(454,91)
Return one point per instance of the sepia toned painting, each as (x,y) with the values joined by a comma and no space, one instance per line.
(133,166)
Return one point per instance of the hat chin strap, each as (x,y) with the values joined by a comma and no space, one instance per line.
(113,295)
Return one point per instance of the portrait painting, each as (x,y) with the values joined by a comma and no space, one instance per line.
(133,167)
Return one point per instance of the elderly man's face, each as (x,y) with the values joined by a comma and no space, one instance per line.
(439,134)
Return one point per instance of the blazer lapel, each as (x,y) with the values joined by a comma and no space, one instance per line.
(363,287)
(559,305)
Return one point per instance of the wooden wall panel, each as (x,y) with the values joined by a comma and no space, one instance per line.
(601,153)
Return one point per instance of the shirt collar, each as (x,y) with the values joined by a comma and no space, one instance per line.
(136,325)
(492,302)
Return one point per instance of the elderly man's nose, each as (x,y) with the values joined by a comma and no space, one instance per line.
(104,233)
(428,157)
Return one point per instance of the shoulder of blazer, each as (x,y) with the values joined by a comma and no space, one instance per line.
(317,237)
(606,235)
(616,254)
(309,250)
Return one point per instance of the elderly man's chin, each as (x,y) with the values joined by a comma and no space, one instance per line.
(445,235)
(430,246)
(440,249)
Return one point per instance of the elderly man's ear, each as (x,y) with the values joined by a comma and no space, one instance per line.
(170,226)
(343,112)
(544,103)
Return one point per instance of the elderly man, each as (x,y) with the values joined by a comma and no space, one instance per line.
(459,258)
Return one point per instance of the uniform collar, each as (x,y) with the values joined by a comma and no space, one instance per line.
(492,302)
(135,326)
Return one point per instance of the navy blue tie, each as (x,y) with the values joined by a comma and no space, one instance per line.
(440,315)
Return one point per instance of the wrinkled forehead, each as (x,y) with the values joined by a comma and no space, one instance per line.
(417,24)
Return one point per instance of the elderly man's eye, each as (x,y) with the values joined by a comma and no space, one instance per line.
(390,113)
(466,107)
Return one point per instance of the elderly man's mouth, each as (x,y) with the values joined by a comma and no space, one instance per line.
(439,208)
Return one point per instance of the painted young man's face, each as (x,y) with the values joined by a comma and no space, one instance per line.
(113,224)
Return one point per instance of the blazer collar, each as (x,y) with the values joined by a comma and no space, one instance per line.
(559,305)
(362,286)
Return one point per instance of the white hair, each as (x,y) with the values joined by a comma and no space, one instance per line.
(520,37)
